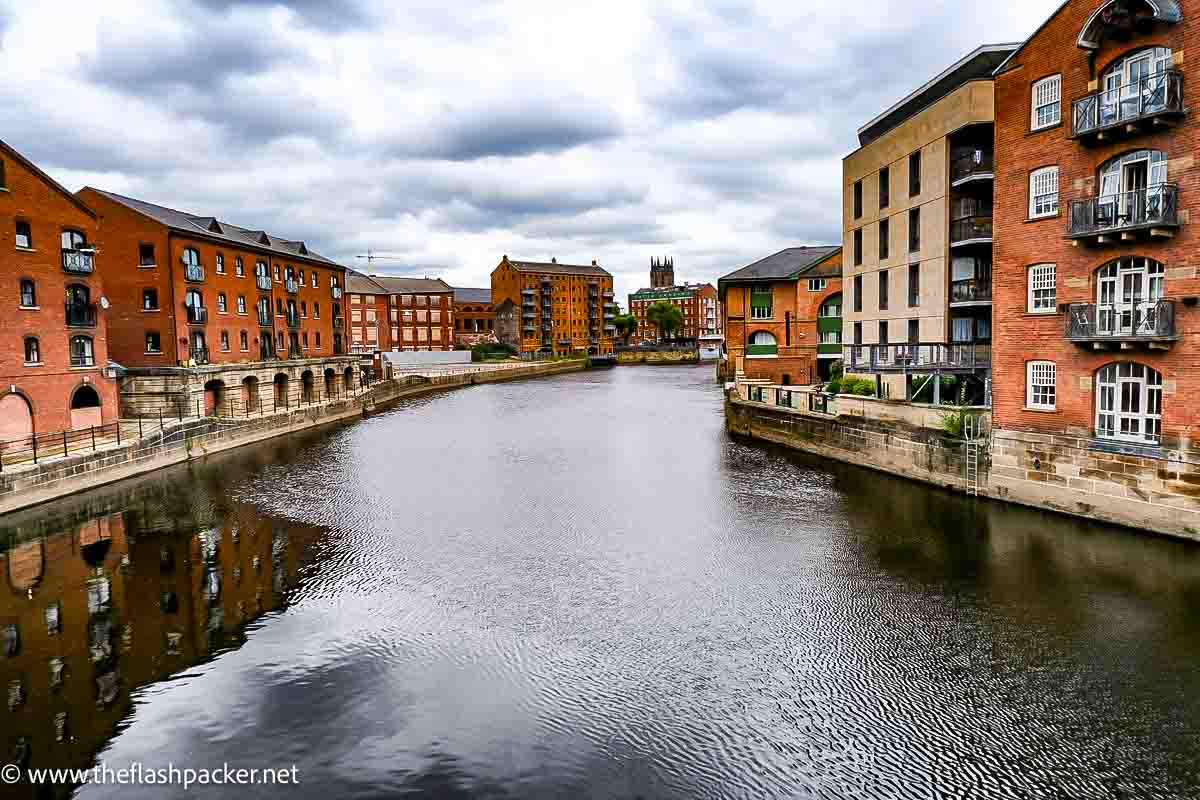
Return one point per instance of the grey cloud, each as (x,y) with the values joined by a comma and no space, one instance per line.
(327,15)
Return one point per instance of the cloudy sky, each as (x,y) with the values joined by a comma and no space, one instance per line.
(450,133)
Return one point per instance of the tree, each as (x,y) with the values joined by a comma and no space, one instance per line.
(626,325)
(666,317)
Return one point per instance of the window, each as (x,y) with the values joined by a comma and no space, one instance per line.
(279,306)
(222,302)
(191,257)
(224,341)
(314,279)
(220,263)
(24,235)
(239,267)
(306,340)
(317,339)
(914,230)
(1043,192)
(817,284)
(33,351)
(858,334)
(858,199)
(1129,403)
(831,308)
(883,332)
(303,310)
(73,240)
(885,235)
(82,354)
(149,299)
(914,285)
(885,189)
(153,342)
(1039,385)
(962,329)
(760,302)
(914,331)
(1043,294)
(276,273)
(244,341)
(241,304)
(146,255)
(316,310)
(762,343)
(914,174)
(883,290)
(1046,106)
(858,247)
(858,287)
(28,294)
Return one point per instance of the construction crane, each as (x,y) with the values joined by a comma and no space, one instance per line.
(372,257)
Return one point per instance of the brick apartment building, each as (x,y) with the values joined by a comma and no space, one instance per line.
(565,308)
(474,317)
(917,225)
(400,314)
(1095,277)
(783,316)
(697,302)
(203,310)
(53,349)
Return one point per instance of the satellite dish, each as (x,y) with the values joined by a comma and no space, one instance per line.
(104,303)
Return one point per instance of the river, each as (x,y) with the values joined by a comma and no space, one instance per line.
(582,587)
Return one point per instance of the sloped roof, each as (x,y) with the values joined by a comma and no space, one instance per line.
(555,267)
(212,228)
(465,295)
(412,285)
(358,283)
(36,170)
(787,264)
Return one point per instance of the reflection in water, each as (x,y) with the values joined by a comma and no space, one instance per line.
(582,586)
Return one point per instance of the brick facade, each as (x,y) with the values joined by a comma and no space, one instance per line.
(697,303)
(396,314)
(474,317)
(37,393)
(565,308)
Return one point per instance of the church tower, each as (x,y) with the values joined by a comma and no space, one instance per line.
(662,273)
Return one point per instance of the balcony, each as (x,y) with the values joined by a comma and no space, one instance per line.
(547,327)
(530,329)
(971,291)
(607,294)
(339,349)
(529,291)
(292,285)
(1126,216)
(919,357)
(266,353)
(1150,104)
(972,230)
(263,282)
(196,315)
(199,355)
(339,323)
(294,350)
(293,320)
(193,272)
(264,318)
(528,314)
(336,292)
(81,315)
(970,165)
(78,262)
(1151,324)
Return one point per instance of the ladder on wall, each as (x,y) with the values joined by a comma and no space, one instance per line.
(975,439)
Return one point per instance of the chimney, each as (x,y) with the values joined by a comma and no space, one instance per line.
(505,259)
(594,262)
(553,260)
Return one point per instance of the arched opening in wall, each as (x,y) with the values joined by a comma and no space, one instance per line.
(214,397)
(281,390)
(85,408)
(348,379)
(251,402)
(16,417)
(762,343)
(1129,403)
(331,387)
(307,386)
(1128,295)
(26,566)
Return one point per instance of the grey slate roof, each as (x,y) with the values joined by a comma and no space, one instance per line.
(465,295)
(784,265)
(553,266)
(358,283)
(214,228)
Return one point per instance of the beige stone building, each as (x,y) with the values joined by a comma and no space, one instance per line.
(917,200)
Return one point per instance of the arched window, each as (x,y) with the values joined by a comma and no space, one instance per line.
(762,343)
(73,240)
(191,257)
(192,268)
(1135,85)
(82,353)
(28,294)
(33,350)
(1133,188)
(832,307)
(1127,295)
(1129,403)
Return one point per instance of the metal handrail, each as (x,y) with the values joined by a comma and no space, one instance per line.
(78,262)
(948,355)
(965,230)
(1137,320)
(971,290)
(1155,94)
(197,315)
(193,272)
(974,161)
(81,315)
(1154,205)
(263,282)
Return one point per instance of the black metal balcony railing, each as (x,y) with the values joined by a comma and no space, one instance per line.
(918,357)
(971,163)
(1154,206)
(292,285)
(266,353)
(193,272)
(607,293)
(339,349)
(1148,321)
(293,320)
(339,323)
(295,351)
(78,263)
(547,327)
(81,315)
(529,314)
(197,315)
(263,282)
(336,291)
(971,290)
(199,355)
(1150,97)
(972,229)
(264,318)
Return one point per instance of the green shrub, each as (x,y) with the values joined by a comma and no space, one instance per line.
(862,387)
(835,371)
(834,385)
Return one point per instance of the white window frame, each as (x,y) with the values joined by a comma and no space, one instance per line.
(817,284)
(1046,94)
(1041,385)
(1042,290)
(1043,192)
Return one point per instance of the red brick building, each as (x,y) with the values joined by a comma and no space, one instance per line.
(474,317)
(1095,271)
(398,314)
(697,302)
(565,308)
(54,348)
(783,313)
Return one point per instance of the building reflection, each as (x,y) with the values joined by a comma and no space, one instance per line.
(91,613)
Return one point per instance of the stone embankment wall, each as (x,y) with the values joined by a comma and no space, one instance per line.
(195,438)
(659,357)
